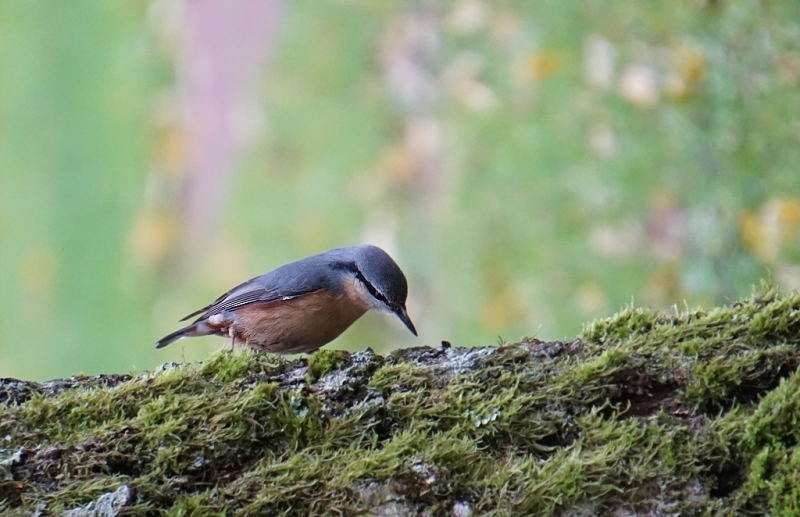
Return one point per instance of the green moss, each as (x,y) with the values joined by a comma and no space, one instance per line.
(692,413)
(323,361)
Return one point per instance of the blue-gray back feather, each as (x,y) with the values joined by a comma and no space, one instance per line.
(323,271)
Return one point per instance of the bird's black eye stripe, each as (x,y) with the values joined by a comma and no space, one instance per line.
(374,292)
(349,266)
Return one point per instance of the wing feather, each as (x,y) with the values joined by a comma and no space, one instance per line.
(304,276)
(207,307)
(227,303)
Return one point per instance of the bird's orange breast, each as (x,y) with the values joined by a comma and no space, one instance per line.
(298,325)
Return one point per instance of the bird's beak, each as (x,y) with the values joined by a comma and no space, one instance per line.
(403,315)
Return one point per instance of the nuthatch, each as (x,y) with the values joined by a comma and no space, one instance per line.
(305,304)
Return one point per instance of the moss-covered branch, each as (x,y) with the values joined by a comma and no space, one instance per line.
(672,413)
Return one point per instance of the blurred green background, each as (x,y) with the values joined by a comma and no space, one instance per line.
(530,165)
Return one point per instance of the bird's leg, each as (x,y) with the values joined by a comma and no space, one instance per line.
(224,323)
(232,334)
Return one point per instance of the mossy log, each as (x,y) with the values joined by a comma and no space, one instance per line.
(645,413)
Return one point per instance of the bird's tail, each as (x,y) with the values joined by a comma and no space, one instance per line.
(218,324)
(191,330)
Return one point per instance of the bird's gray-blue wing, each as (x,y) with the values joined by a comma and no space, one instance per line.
(287,282)
(248,297)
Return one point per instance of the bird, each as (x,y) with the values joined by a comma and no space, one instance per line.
(303,305)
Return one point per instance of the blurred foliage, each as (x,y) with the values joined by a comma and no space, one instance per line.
(76,85)
(555,160)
